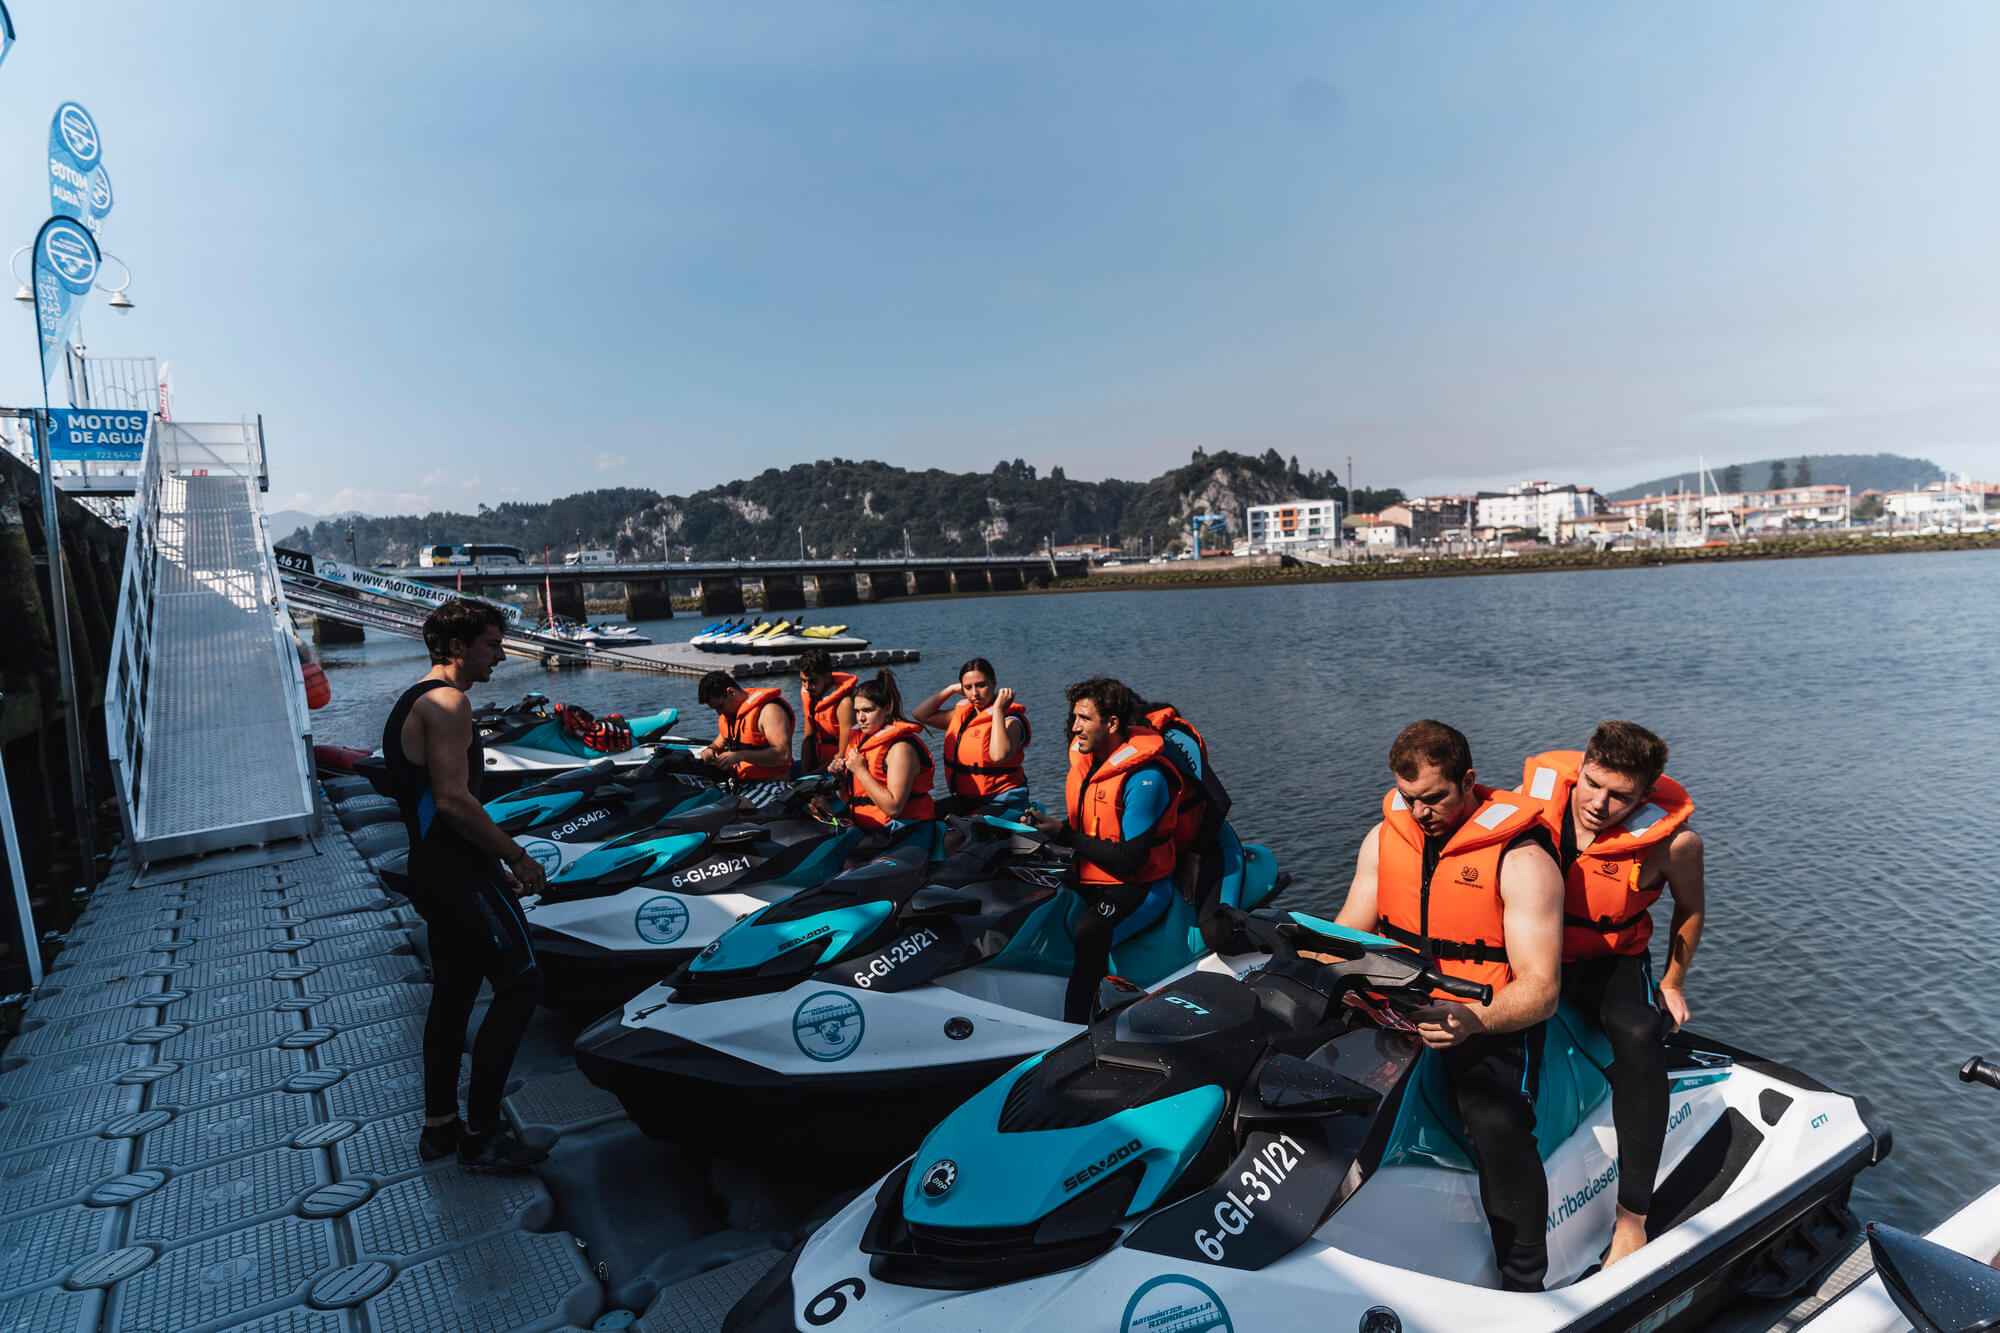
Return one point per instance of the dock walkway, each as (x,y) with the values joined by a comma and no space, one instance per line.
(209,1122)
(683,659)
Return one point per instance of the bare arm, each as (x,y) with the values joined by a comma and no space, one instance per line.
(1004,736)
(1687,879)
(1359,912)
(1531,899)
(446,719)
(935,712)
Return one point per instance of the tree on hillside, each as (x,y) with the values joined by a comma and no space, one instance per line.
(1732,478)
(1802,474)
(1777,481)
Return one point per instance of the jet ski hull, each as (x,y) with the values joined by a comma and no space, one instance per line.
(1759,1165)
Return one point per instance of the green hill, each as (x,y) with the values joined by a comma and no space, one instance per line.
(1863,472)
(848,508)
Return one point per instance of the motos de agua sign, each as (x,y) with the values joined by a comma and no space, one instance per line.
(94,435)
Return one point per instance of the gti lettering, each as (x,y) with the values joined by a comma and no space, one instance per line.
(1187,1004)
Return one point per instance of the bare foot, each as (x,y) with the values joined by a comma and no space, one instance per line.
(1628,1233)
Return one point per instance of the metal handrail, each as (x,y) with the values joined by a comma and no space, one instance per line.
(127,692)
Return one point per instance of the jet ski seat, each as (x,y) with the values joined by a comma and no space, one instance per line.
(1156,940)
(646,728)
(1575,1054)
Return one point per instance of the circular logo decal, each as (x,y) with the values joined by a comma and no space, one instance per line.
(828,1026)
(79,133)
(1175,1304)
(71,254)
(100,192)
(661,920)
(942,1175)
(547,855)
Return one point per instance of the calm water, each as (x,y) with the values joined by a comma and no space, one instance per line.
(1834,720)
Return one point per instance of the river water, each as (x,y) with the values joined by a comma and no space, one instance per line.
(1834,720)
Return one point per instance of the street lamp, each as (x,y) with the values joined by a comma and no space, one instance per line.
(120,300)
(353,560)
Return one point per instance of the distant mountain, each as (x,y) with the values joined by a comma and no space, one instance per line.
(848,508)
(280,521)
(1863,472)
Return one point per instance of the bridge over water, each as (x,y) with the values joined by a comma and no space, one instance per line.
(649,585)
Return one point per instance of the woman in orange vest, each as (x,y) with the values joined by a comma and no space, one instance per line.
(886,766)
(1463,873)
(1120,802)
(826,705)
(986,736)
(1621,834)
(753,730)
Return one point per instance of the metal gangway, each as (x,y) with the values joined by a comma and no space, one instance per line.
(205,712)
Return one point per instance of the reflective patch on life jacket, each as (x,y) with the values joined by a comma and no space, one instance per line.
(1644,818)
(1544,785)
(1121,756)
(1396,802)
(1493,816)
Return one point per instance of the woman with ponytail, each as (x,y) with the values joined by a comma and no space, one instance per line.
(886,770)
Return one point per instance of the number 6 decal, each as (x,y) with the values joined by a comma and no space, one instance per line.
(831,1304)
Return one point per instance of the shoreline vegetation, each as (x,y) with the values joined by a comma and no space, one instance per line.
(1177,576)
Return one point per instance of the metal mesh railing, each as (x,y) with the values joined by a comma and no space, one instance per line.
(205,711)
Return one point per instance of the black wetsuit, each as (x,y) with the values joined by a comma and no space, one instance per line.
(1618,994)
(1495,1079)
(477,933)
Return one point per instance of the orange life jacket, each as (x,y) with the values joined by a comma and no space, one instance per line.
(1605,911)
(822,739)
(1457,917)
(741,731)
(1092,797)
(1190,805)
(873,750)
(968,771)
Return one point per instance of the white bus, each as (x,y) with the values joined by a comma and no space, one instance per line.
(438,557)
(591,556)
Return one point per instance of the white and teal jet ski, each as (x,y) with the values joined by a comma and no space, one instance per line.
(720,629)
(526,743)
(846,1020)
(1277,1153)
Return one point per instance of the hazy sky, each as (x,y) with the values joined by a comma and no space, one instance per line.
(459,252)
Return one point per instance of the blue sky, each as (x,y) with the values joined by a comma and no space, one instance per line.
(458,252)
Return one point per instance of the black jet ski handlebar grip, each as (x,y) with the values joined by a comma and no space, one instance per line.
(1979,1069)
(1464,990)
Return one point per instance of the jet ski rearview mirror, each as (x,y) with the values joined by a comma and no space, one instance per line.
(1113,994)
(1934,1287)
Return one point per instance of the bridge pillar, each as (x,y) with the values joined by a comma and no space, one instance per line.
(1039,575)
(932,582)
(326,631)
(1006,578)
(721,596)
(784,592)
(648,599)
(568,600)
(884,584)
(837,590)
(972,580)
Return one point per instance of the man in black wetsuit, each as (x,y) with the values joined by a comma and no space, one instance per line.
(459,886)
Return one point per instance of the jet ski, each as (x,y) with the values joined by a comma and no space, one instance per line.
(634,909)
(846,1019)
(565,816)
(1279,1153)
(718,629)
(755,640)
(1944,1279)
(798,643)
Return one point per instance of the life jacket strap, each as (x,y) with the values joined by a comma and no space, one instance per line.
(1606,923)
(1445,951)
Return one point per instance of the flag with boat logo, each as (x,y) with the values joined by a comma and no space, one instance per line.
(6,32)
(79,187)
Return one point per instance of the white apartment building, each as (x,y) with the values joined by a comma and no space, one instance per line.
(1753,511)
(1289,523)
(1537,504)
(1935,505)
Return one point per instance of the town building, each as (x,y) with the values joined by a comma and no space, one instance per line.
(1940,502)
(1536,505)
(1292,523)
(1770,510)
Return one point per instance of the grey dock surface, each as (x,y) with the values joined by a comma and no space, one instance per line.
(209,1121)
(686,660)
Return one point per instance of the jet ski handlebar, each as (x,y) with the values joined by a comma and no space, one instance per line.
(1364,961)
(1980,1069)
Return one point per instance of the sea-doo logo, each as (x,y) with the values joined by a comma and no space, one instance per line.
(1101,1165)
(661,920)
(1107,909)
(943,1174)
(828,1026)
(546,854)
(582,821)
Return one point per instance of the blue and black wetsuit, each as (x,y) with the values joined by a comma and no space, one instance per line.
(1147,799)
(477,933)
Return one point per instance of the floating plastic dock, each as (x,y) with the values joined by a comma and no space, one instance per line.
(686,660)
